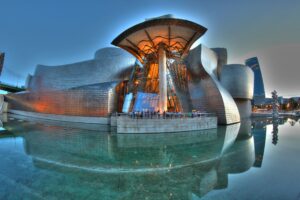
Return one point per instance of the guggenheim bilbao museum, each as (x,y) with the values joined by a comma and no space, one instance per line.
(153,68)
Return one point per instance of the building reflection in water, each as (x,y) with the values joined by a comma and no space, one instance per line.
(141,166)
(259,134)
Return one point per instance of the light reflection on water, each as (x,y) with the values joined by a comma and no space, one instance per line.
(51,160)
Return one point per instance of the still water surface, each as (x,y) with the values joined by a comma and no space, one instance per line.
(257,159)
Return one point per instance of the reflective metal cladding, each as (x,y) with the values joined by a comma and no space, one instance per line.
(202,62)
(161,66)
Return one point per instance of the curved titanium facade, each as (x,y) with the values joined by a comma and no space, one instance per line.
(96,100)
(197,79)
(200,90)
(88,88)
(202,63)
(241,74)
(109,64)
(241,92)
(222,59)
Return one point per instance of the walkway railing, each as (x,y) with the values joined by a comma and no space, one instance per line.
(165,115)
(11,88)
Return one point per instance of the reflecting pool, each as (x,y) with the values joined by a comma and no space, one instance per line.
(255,159)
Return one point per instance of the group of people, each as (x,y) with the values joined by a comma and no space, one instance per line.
(165,115)
(154,114)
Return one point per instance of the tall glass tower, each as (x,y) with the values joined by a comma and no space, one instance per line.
(1,61)
(259,89)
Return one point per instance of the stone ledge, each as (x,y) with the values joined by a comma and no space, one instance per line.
(66,118)
(129,125)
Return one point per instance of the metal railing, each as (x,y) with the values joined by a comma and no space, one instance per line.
(11,88)
(165,115)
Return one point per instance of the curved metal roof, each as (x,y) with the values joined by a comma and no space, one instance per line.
(143,39)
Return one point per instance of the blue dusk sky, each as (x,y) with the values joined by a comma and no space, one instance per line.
(55,32)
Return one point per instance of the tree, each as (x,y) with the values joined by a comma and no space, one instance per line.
(293,104)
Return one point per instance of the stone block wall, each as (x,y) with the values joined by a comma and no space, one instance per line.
(128,125)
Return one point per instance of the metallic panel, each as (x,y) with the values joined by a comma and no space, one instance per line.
(238,80)
(245,107)
(96,100)
(109,64)
(222,59)
(202,65)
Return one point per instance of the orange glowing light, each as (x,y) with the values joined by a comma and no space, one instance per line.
(41,106)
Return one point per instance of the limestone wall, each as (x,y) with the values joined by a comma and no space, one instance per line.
(3,104)
(128,125)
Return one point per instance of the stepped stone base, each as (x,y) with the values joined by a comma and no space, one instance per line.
(128,125)
(66,118)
